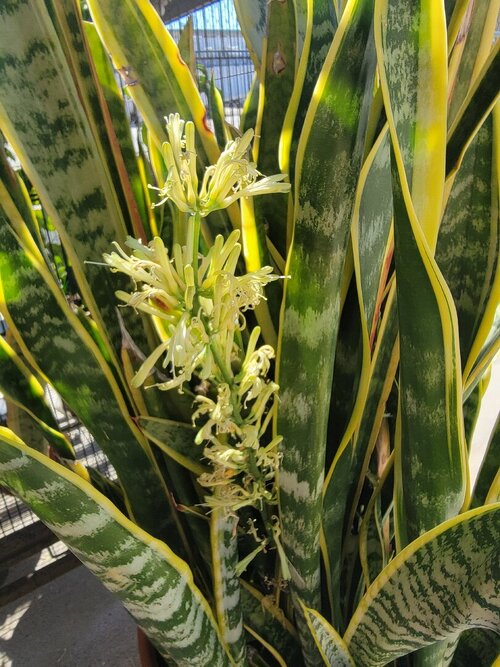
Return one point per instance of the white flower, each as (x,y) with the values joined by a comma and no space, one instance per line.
(255,368)
(232,177)
(179,154)
(231,496)
(220,415)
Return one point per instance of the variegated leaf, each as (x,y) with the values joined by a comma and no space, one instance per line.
(217,112)
(227,590)
(262,614)
(479,102)
(352,358)
(468,246)
(344,482)
(371,227)
(19,384)
(489,468)
(154,584)
(252,17)
(148,58)
(471,411)
(457,565)
(483,362)
(372,252)
(431,471)
(471,51)
(53,340)
(248,118)
(70,29)
(119,131)
(276,87)
(331,144)
(450,7)
(477,647)
(321,25)
(455,12)
(157,79)
(176,439)
(371,246)
(21,423)
(55,143)
(186,46)
(414,91)
(330,644)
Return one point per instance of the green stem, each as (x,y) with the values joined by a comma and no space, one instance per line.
(225,372)
(180,225)
(228,377)
(196,245)
(239,341)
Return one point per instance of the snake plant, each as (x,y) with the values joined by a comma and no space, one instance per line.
(279,334)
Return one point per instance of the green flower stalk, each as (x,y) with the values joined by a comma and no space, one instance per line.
(198,303)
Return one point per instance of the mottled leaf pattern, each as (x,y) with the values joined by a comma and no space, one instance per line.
(477,647)
(360,127)
(262,614)
(58,344)
(459,562)
(154,585)
(469,238)
(320,30)
(344,481)
(176,439)
(371,226)
(148,58)
(414,92)
(119,130)
(431,473)
(277,82)
(331,143)
(312,302)
(252,17)
(472,51)
(227,590)
(478,104)
(19,384)
(54,142)
(330,644)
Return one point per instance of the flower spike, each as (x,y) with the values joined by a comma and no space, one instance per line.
(199,304)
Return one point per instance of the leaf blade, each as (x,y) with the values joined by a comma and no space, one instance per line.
(155,585)
(311,312)
(330,644)
(457,560)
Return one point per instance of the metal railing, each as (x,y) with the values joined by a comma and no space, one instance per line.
(14,514)
(220,48)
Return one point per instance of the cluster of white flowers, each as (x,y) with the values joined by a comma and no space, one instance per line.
(232,177)
(197,304)
(196,318)
(236,422)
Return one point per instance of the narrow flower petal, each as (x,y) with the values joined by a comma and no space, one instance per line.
(147,366)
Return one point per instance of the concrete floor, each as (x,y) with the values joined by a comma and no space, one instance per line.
(70,622)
